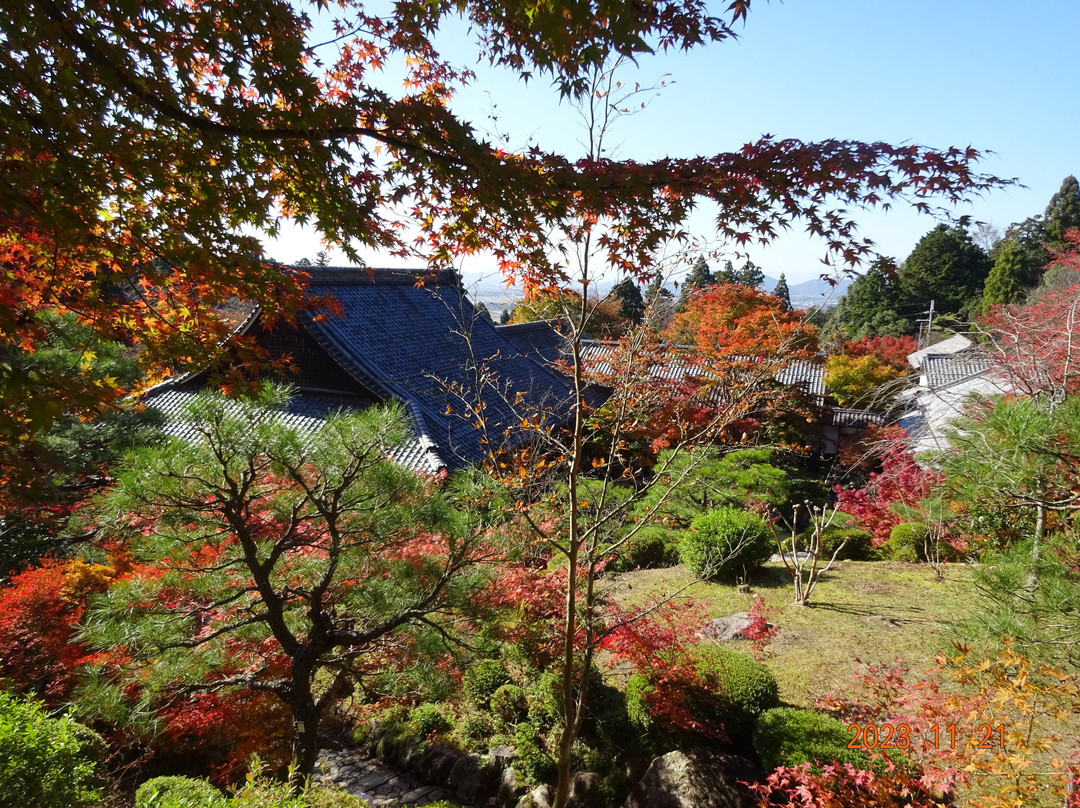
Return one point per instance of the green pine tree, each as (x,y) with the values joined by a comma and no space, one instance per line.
(699,278)
(631,304)
(750,274)
(781,291)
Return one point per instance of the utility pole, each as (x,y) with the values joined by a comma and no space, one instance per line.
(929,327)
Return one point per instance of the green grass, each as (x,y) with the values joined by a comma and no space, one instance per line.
(875,612)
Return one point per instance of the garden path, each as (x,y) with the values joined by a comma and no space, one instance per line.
(382,786)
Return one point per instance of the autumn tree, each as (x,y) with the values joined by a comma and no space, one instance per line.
(278,562)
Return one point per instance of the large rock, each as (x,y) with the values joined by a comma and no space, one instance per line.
(695,778)
(585,791)
(511,789)
(726,628)
(473,781)
(435,764)
(539,797)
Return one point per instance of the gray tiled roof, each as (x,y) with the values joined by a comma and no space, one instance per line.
(804,374)
(401,337)
(943,370)
(305,413)
(954,344)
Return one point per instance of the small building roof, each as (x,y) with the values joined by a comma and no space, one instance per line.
(943,371)
(954,344)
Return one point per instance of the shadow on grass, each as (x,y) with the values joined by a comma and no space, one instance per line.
(896,615)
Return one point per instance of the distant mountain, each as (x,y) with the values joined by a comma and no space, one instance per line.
(815,292)
(491,288)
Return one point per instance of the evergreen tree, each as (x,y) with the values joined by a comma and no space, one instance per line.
(699,278)
(750,274)
(1013,273)
(507,313)
(1063,212)
(947,267)
(631,304)
(727,274)
(482,311)
(656,289)
(869,308)
(781,291)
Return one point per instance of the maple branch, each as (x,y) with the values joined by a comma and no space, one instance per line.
(98,56)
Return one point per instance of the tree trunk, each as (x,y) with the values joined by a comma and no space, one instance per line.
(1036,545)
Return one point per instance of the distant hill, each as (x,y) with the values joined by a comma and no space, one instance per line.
(491,289)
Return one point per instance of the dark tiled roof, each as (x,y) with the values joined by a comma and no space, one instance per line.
(944,370)
(844,416)
(542,339)
(806,375)
(401,336)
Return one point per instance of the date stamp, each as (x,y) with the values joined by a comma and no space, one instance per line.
(899,736)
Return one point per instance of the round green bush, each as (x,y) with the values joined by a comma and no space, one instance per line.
(178,792)
(653,547)
(509,704)
(428,718)
(746,688)
(788,737)
(44,762)
(483,678)
(638,688)
(724,542)
(907,542)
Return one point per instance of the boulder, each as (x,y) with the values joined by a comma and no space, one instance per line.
(694,778)
(726,628)
(585,791)
(473,781)
(539,797)
(435,764)
(511,789)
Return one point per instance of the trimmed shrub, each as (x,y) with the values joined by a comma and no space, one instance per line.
(428,718)
(746,688)
(638,688)
(652,547)
(789,737)
(509,704)
(906,542)
(178,792)
(44,762)
(483,678)
(724,542)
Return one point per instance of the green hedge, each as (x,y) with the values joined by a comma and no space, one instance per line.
(483,678)
(789,737)
(724,542)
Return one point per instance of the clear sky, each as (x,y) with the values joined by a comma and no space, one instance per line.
(996,75)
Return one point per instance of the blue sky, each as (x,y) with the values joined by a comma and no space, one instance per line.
(995,75)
